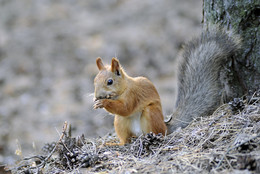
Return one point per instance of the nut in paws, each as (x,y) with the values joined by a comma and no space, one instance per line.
(111,96)
(98,104)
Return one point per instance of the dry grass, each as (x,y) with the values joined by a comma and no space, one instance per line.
(221,143)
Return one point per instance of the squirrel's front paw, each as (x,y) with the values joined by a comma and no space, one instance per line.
(98,104)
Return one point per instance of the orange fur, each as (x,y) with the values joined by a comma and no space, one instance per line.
(134,101)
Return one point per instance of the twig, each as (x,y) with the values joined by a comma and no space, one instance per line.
(48,157)
(37,156)
(232,148)
(53,150)
(216,120)
(140,148)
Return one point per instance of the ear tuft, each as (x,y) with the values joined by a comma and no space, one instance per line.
(100,64)
(115,66)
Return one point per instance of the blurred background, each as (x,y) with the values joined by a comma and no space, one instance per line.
(47,61)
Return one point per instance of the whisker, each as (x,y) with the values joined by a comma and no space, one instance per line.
(89,95)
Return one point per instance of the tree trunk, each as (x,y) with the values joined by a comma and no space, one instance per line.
(241,16)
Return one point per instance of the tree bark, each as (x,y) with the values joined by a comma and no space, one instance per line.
(241,16)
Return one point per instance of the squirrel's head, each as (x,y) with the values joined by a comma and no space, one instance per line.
(109,82)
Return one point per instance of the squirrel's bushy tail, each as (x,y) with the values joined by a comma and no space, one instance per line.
(199,89)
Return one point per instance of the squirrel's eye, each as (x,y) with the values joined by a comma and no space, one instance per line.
(109,82)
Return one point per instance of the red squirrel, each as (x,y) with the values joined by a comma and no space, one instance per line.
(201,85)
(134,101)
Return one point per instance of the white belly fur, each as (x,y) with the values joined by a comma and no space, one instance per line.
(136,123)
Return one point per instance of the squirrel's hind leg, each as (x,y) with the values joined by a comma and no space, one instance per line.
(152,120)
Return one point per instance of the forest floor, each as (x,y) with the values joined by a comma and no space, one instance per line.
(228,141)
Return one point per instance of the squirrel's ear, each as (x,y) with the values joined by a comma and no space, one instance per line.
(100,63)
(115,66)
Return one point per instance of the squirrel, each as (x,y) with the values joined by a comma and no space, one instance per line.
(136,102)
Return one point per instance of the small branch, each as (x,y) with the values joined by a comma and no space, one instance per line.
(45,159)
(232,148)
(53,150)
